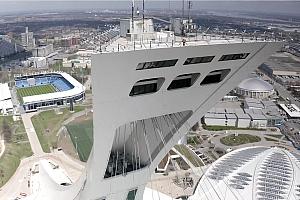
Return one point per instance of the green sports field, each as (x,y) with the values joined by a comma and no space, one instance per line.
(35,90)
(81,134)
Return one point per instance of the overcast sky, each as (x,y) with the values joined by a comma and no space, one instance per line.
(289,7)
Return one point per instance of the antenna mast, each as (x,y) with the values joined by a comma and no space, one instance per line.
(182,26)
(143,16)
(132,13)
(189,14)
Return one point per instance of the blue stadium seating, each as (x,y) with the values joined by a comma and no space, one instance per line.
(59,82)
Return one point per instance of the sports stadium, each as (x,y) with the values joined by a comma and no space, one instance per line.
(41,90)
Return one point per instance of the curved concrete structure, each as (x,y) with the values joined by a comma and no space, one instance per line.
(144,102)
(252,173)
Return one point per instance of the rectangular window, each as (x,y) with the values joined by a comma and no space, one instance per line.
(131,194)
(215,76)
(156,64)
(146,86)
(183,81)
(234,56)
(196,60)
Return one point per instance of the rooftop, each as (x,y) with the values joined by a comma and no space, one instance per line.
(163,41)
(255,84)
(259,172)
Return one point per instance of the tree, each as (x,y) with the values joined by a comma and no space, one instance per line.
(6,131)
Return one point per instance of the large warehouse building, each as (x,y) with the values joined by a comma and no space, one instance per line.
(48,89)
(255,113)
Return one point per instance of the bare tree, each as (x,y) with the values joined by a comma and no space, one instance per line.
(6,131)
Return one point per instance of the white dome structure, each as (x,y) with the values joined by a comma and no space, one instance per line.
(255,88)
(252,173)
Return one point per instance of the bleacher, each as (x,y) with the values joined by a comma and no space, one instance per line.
(59,82)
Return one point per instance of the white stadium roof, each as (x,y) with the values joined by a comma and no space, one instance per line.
(4,92)
(255,84)
(78,88)
(252,173)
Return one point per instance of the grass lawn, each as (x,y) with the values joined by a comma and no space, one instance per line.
(35,90)
(278,136)
(15,150)
(271,139)
(192,157)
(47,124)
(81,134)
(232,140)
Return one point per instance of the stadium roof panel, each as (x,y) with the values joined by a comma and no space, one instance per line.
(268,173)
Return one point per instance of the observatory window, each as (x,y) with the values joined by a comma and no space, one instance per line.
(183,81)
(197,60)
(146,86)
(156,64)
(131,194)
(215,76)
(238,56)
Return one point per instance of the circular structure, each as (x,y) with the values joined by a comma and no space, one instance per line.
(232,140)
(249,173)
(255,88)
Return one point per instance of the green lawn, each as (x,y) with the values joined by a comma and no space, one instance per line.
(232,140)
(192,157)
(47,124)
(15,150)
(271,139)
(278,136)
(82,135)
(35,90)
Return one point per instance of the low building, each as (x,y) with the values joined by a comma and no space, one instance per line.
(36,62)
(42,51)
(6,105)
(251,103)
(215,119)
(231,119)
(258,119)
(243,120)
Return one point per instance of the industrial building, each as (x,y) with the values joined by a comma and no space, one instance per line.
(252,173)
(243,121)
(182,26)
(292,110)
(42,51)
(6,105)
(255,88)
(255,114)
(36,62)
